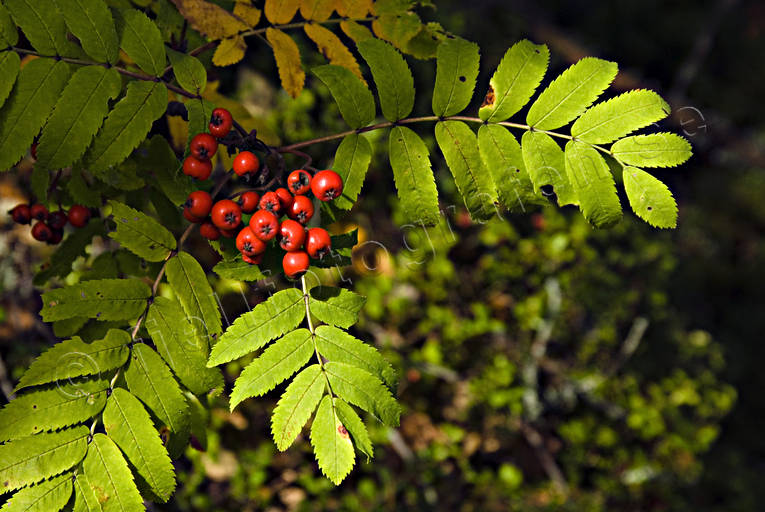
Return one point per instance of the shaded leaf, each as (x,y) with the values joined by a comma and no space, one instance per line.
(141,234)
(142,41)
(189,71)
(354,154)
(353,98)
(92,23)
(353,8)
(416,186)
(68,251)
(103,299)
(9,70)
(238,270)
(209,19)
(9,34)
(42,24)
(546,165)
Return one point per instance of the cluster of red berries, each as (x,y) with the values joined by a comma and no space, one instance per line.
(50,225)
(224,217)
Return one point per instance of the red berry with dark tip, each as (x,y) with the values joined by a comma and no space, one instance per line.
(21,214)
(199,169)
(226,214)
(221,122)
(42,232)
(248,201)
(299,182)
(318,243)
(301,209)
(199,203)
(245,163)
(291,235)
(285,198)
(248,244)
(38,212)
(33,150)
(58,219)
(295,264)
(264,224)
(254,260)
(270,201)
(203,146)
(79,216)
(56,236)
(209,231)
(191,217)
(327,185)
(229,233)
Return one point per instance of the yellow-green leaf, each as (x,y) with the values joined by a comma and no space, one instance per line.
(288,61)
(332,48)
(281,11)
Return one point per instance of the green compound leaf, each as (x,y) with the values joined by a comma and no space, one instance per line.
(277,363)
(392,76)
(239,270)
(42,24)
(459,145)
(78,115)
(9,70)
(30,459)
(416,186)
(649,198)
(655,150)
(189,281)
(65,404)
(110,477)
(149,379)
(591,178)
(127,125)
(181,346)
(278,315)
(68,251)
(515,80)
(128,424)
(503,158)
(189,71)
(104,299)
(353,98)
(296,405)
(571,93)
(92,23)
(9,34)
(75,358)
(331,442)
(620,116)
(48,496)
(336,306)
(546,165)
(37,89)
(339,346)
(141,234)
(456,72)
(364,390)
(141,40)
(352,162)
(355,426)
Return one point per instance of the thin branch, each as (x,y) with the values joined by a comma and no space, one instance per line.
(546,459)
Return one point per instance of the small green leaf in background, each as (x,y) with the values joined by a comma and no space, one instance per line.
(654,150)
(48,496)
(239,270)
(75,358)
(331,442)
(392,76)
(620,116)
(141,234)
(649,198)
(515,80)
(68,251)
(459,146)
(336,306)
(416,186)
(337,345)
(9,70)
(37,89)
(296,405)
(128,424)
(62,405)
(569,95)
(276,364)
(78,115)
(110,477)
(353,98)
(149,379)
(127,125)
(190,284)
(92,23)
(141,40)
(361,388)
(104,299)
(351,420)
(503,158)
(591,178)
(30,459)
(546,165)
(457,70)
(166,170)
(278,315)
(352,162)
(189,71)
(43,25)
